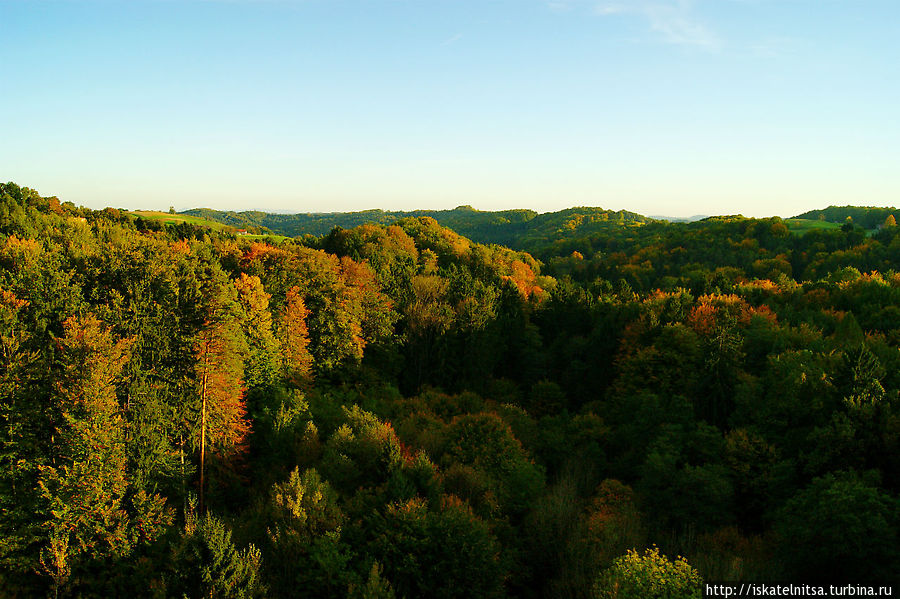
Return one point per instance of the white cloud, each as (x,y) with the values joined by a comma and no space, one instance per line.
(452,39)
(559,6)
(674,21)
(610,9)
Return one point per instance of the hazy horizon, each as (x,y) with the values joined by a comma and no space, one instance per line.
(660,107)
(158,207)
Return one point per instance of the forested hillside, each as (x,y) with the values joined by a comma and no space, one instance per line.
(719,252)
(866,217)
(519,229)
(394,410)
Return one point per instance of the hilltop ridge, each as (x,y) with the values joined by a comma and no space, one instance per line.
(518,228)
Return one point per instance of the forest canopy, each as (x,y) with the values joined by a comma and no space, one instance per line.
(394,409)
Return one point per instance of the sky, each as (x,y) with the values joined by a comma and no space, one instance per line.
(662,107)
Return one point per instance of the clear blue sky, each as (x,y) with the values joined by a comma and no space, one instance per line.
(673,107)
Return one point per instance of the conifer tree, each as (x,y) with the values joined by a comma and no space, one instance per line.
(207,563)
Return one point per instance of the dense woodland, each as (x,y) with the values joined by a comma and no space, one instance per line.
(393,410)
(517,229)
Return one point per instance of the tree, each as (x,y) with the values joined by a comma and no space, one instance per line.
(428,316)
(486,443)
(840,528)
(890,221)
(613,522)
(294,337)
(751,461)
(546,399)
(219,369)
(557,558)
(261,370)
(650,575)
(364,452)
(85,485)
(304,535)
(21,440)
(347,308)
(207,564)
(441,553)
(683,480)
(859,378)
(376,587)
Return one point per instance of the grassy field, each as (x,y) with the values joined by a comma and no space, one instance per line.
(174,219)
(802,225)
(267,236)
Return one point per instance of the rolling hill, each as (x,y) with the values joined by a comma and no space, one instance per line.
(518,229)
(867,217)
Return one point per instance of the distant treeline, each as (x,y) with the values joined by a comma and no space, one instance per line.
(518,229)
(863,216)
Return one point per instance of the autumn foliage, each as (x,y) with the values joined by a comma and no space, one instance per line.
(397,410)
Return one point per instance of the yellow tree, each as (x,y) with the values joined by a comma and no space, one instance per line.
(294,337)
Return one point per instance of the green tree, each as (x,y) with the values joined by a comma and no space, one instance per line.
(262,364)
(859,378)
(304,538)
(21,453)
(840,528)
(683,480)
(85,485)
(486,443)
(437,553)
(376,586)
(546,398)
(613,522)
(427,317)
(207,564)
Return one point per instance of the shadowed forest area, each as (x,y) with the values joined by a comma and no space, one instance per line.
(395,410)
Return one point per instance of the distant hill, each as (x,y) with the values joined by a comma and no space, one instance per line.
(167,218)
(519,229)
(867,217)
(680,219)
(543,235)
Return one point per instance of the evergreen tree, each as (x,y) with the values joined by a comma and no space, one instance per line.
(206,563)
